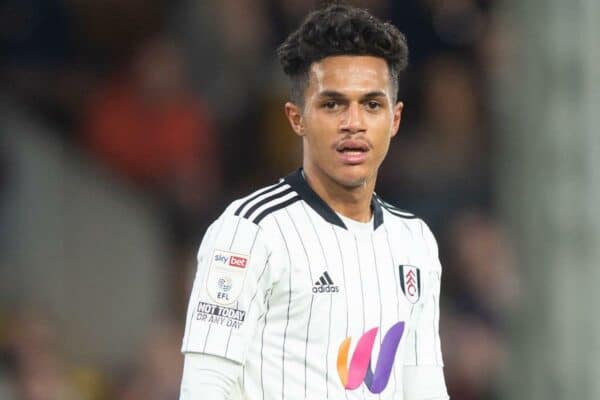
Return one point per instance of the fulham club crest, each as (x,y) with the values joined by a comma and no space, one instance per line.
(410,282)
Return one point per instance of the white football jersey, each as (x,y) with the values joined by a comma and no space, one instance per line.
(313,309)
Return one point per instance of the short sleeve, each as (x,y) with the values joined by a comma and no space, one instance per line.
(229,290)
(423,363)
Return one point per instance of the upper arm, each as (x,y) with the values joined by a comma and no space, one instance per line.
(229,288)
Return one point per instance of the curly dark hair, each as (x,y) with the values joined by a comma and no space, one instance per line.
(340,30)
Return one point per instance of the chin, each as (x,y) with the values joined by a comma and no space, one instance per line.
(352,177)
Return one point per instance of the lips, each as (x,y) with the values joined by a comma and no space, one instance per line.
(352,151)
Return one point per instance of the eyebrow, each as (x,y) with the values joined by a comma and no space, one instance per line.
(337,95)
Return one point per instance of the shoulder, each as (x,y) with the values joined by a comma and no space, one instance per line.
(395,215)
(243,226)
(417,227)
(253,209)
(394,210)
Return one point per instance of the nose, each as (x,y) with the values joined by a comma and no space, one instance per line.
(352,121)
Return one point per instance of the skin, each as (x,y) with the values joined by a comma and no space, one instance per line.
(348,102)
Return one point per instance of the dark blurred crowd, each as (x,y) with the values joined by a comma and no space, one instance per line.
(182,100)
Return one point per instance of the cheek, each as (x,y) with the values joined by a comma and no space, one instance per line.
(320,133)
(383,149)
(382,135)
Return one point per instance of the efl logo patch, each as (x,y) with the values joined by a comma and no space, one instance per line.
(226,276)
(410,282)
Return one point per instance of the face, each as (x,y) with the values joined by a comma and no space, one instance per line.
(348,119)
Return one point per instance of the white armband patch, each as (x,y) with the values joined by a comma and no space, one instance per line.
(226,276)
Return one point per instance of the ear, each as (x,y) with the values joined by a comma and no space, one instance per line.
(294,115)
(397,117)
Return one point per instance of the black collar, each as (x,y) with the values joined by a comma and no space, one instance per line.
(299,184)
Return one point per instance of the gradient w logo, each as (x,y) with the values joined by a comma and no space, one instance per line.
(360,367)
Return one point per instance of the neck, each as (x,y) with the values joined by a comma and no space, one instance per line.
(352,202)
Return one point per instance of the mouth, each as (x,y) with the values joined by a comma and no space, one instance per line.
(353,152)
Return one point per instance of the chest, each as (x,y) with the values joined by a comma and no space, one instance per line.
(352,281)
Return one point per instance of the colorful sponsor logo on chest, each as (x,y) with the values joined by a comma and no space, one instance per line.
(360,368)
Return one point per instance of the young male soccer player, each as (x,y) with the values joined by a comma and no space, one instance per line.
(314,287)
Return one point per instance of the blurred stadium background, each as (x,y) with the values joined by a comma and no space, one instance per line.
(125,126)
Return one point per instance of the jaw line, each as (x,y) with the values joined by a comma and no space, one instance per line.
(361,182)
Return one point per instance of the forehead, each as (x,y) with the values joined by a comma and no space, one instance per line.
(349,73)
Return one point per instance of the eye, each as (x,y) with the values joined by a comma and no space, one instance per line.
(373,105)
(330,104)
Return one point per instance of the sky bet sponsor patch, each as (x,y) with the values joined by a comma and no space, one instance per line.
(226,276)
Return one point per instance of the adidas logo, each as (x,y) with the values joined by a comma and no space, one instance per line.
(325,285)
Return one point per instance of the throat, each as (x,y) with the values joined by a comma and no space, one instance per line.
(357,226)
(358,213)
(350,202)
